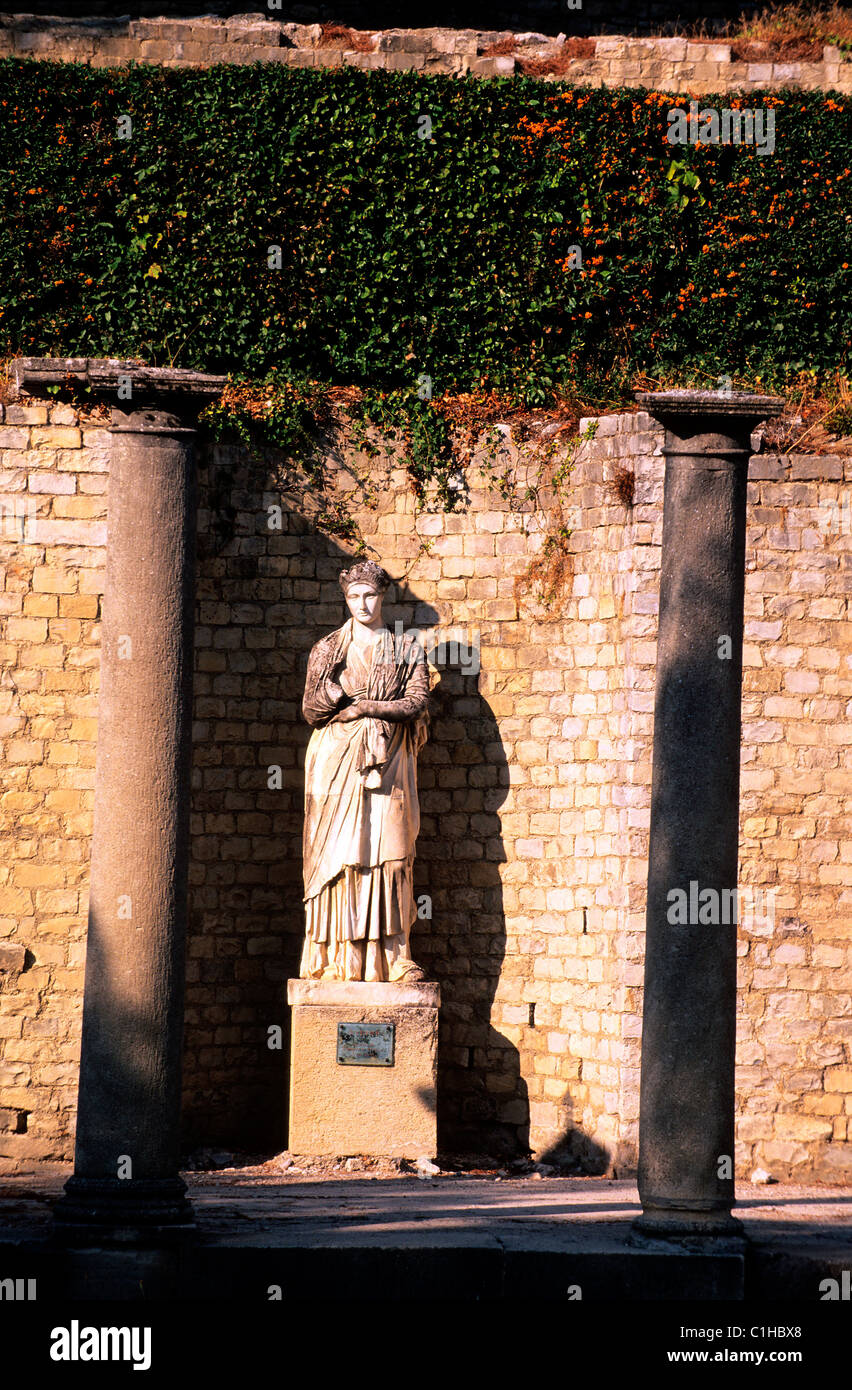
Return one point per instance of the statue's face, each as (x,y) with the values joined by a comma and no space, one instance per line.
(365,604)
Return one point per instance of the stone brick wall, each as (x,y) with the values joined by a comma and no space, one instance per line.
(535,792)
(671,64)
(53,478)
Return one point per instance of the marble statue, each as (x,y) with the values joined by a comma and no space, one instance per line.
(366,697)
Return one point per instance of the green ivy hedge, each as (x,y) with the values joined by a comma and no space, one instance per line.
(404,257)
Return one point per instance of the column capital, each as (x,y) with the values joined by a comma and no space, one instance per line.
(686,405)
(172,394)
(709,427)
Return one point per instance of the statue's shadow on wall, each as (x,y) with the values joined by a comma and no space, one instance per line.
(483,1108)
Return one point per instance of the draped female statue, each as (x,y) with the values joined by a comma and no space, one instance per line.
(366,697)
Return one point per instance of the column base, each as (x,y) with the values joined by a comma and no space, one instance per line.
(676,1222)
(123,1211)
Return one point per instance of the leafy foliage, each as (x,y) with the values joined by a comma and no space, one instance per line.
(400,256)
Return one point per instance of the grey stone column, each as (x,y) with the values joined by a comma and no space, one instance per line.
(126,1175)
(686,1125)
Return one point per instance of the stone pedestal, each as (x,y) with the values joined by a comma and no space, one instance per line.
(686,1125)
(363,1107)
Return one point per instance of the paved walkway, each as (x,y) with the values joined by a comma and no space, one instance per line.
(352,1209)
(451,1237)
(248,1205)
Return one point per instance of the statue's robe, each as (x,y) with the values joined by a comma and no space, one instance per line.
(361,809)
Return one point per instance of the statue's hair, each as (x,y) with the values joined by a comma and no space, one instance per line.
(365,572)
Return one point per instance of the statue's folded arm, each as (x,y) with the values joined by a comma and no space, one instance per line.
(415,700)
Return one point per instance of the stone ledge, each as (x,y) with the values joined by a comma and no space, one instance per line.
(423,994)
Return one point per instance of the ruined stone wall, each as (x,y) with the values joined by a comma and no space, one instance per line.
(668,64)
(535,792)
(578,16)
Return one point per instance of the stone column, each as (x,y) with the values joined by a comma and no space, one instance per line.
(126,1163)
(686,1125)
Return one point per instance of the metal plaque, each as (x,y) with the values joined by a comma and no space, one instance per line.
(365,1044)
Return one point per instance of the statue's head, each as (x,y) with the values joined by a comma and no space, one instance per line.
(364,586)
